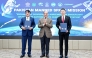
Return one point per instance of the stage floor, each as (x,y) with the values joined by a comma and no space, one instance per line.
(15,53)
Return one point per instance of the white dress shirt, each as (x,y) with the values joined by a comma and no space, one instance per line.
(27,18)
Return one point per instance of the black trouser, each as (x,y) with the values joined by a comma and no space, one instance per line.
(64,36)
(45,45)
(24,41)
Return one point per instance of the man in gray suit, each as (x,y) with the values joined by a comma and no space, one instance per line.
(45,25)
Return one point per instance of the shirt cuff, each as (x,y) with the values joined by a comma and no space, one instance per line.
(21,26)
(46,23)
(43,24)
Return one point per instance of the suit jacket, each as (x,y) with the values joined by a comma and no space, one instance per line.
(67,20)
(27,32)
(46,28)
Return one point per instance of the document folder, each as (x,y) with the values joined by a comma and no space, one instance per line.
(27,24)
(63,27)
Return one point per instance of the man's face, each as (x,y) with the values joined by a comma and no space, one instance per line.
(27,14)
(63,12)
(45,14)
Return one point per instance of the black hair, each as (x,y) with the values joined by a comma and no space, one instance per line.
(63,9)
(28,11)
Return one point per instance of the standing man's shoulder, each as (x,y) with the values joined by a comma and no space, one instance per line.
(67,16)
(59,17)
(31,17)
(23,18)
(41,19)
(50,19)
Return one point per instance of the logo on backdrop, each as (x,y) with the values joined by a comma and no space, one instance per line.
(8,7)
(60,4)
(53,4)
(33,4)
(27,4)
(40,4)
(87,5)
(46,4)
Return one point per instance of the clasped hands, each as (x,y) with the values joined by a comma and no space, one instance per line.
(45,22)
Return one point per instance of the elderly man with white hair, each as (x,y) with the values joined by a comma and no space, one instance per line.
(45,25)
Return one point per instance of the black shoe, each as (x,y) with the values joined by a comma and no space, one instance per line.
(42,56)
(47,56)
(66,56)
(29,55)
(61,56)
(22,56)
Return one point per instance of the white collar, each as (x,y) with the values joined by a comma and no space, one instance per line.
(27,18)
(64,17)
(44,17)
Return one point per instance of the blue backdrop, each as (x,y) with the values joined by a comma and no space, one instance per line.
(12,11)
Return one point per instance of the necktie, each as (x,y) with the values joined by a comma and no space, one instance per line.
(45,17)
(63,19)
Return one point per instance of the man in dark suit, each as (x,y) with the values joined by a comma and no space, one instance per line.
(63,35)
(27,33)
(45,25)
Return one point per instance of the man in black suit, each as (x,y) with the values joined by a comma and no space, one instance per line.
(63,35)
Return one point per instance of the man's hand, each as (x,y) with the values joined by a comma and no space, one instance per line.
(23,28)
(30,28)
(59,27)
(45,22)
(66,31)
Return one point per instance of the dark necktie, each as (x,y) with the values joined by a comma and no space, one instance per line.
(45,17)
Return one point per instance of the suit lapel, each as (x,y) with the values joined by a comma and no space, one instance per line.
(47,20)
(24,19)
(42,20)
(65,19)
(61,19)
(30,19)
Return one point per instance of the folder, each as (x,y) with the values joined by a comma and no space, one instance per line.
(27,24)
(63,27)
